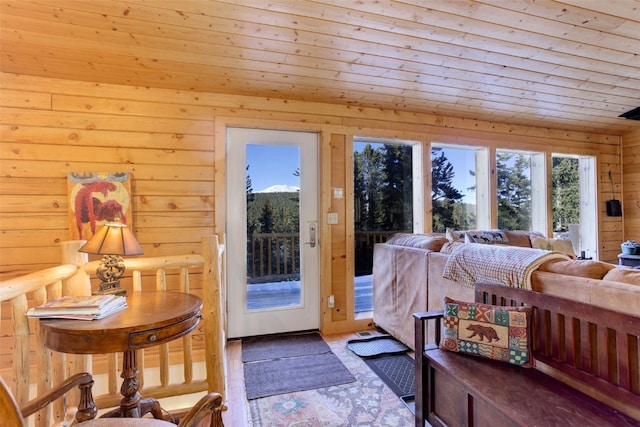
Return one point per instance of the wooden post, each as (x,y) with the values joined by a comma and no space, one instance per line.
(78,284)
(215,359)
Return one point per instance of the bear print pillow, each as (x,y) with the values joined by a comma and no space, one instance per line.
(490,331)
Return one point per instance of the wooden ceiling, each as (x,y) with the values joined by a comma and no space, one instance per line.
(570,64)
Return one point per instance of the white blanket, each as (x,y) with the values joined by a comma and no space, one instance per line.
(503,265)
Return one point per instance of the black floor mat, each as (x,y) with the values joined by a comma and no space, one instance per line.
(379,345)
(397,372)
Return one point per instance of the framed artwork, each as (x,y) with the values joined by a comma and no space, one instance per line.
(96,198)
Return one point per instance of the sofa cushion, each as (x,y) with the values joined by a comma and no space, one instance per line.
(448,247)
(623,275)
(494,332)
(559,245)
(432,242)
(521,237)
(577,268)
(486,237)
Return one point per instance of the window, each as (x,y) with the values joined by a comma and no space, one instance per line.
(573,204)
(461,198)
(385,177)
(458,181)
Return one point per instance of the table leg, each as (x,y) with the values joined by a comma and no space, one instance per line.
(131,406)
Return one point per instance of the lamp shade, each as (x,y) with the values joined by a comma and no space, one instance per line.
(114,238)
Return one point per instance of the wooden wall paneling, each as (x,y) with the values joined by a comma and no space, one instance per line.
(163,144)
(25,99)
(349,225)
(631,186)
(339,256)
(175,152)
(325,196)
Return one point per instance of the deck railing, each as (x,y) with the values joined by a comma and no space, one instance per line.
(275,256)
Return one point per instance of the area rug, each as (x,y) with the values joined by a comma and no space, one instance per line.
(284,364)
(366,402)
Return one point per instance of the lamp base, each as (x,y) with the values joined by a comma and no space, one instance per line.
(109,271)
(109,289)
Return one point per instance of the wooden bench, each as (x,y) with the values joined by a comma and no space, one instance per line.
(587,369)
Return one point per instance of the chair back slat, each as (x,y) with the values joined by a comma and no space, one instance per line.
(596,345)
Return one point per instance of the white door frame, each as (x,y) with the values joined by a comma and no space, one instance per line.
(241,321)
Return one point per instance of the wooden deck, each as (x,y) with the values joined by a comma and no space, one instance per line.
(287,293)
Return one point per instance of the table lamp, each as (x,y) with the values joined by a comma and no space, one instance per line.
(113,241)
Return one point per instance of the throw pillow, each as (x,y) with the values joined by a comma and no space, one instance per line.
(559,245)
(454,236)
(488,237)
(494,332)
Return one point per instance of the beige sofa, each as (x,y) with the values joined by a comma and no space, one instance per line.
(408,278)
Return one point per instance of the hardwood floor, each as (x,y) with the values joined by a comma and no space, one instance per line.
(238,407)
(237,414)
(237,403)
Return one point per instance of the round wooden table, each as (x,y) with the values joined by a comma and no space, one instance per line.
(151,318)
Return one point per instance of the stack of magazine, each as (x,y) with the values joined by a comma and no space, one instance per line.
(90,307)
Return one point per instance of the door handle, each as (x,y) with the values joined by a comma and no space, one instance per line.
(313,228)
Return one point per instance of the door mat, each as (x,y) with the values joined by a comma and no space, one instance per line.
(376,346)
(398,373)
(410,402)
(290,363)
(279,346)
(280,376)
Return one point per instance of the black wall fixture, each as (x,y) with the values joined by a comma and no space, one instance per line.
(632,114)
(613,205)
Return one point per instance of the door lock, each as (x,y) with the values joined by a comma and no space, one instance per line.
(313,228)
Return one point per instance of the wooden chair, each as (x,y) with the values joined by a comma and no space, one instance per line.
(211,404)
(14,415)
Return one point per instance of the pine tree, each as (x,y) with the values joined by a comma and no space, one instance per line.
(565,193)
(368,176)
(251,197)
(514,192)
(443,194)
(397,188)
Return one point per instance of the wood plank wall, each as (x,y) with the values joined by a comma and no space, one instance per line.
(631,185)
(166,139)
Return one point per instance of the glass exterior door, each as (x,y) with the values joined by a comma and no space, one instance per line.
(272,261)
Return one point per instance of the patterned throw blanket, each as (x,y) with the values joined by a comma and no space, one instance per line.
(503,265)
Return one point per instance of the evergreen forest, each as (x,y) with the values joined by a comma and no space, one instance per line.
(383,195)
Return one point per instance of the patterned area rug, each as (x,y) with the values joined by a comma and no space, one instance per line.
(366,402)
